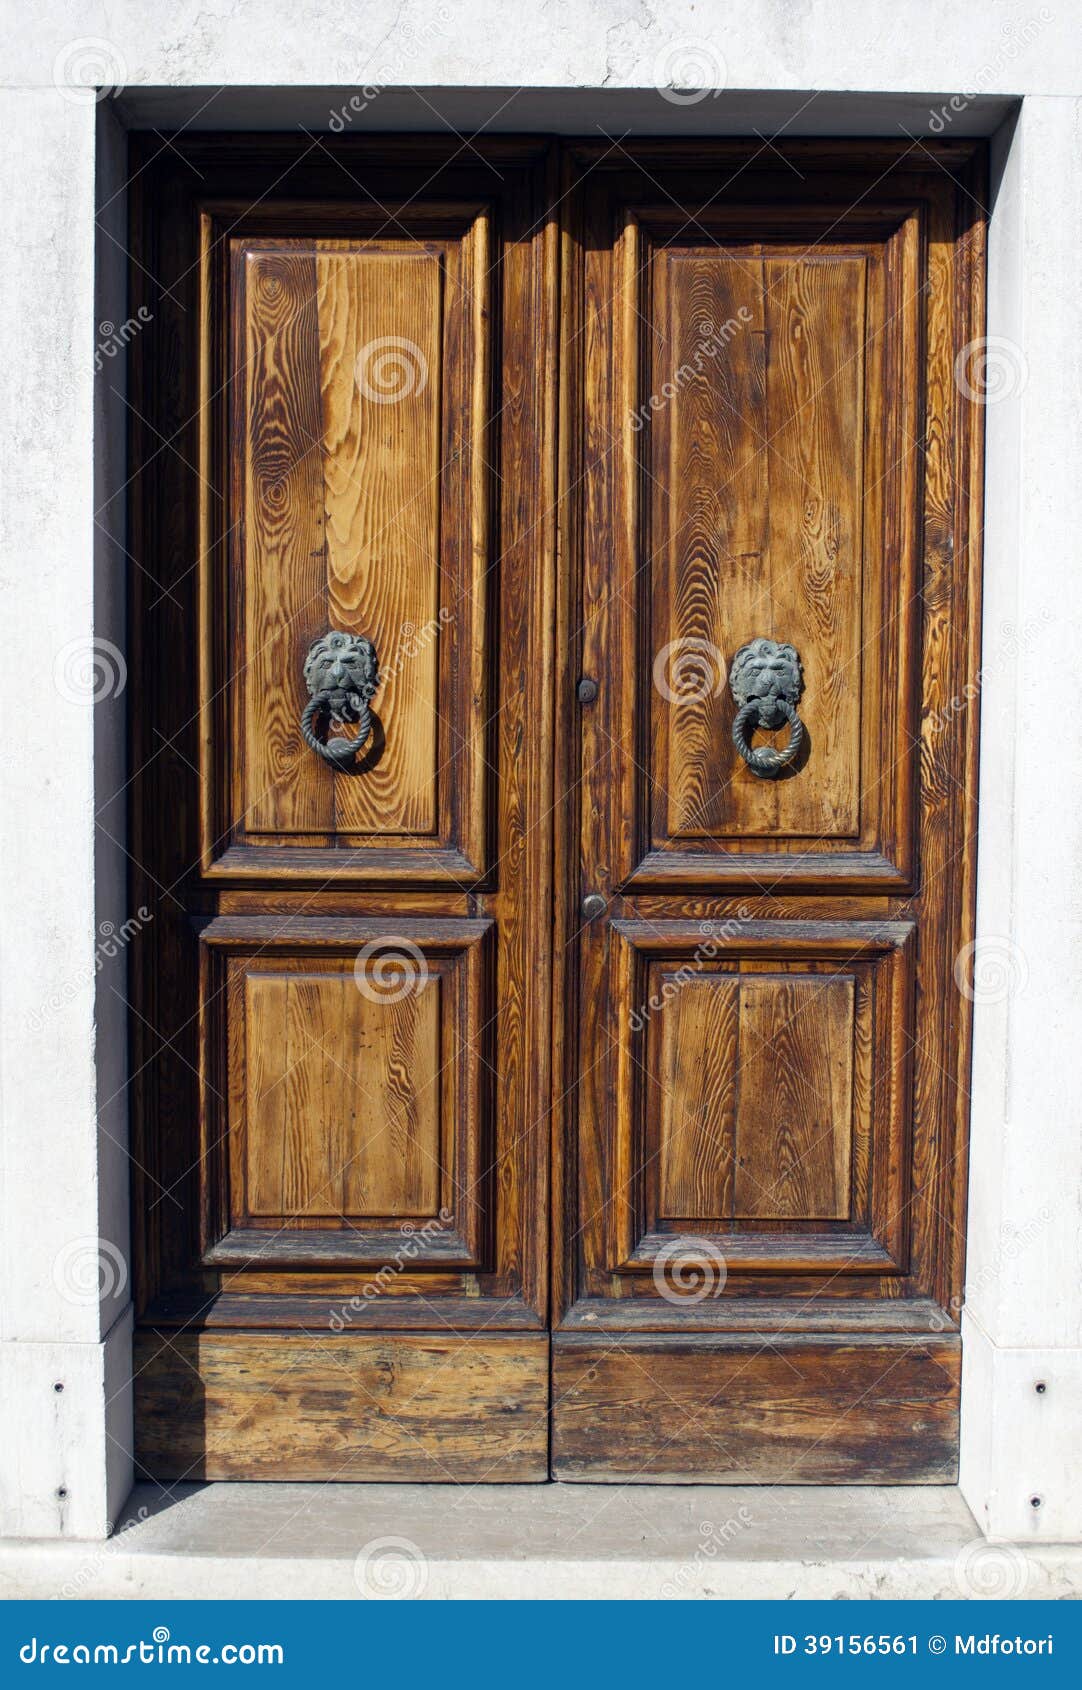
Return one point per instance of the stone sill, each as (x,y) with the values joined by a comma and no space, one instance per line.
(542,1541)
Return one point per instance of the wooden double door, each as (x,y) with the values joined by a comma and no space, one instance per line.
(554,632)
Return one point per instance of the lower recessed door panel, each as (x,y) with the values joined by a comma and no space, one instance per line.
(344,1092)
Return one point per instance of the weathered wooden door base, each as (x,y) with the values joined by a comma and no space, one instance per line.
(655,1171)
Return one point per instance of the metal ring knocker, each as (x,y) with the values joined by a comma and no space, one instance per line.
(767,681)
(342,673)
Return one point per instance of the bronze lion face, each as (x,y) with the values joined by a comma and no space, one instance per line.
(342,670)
(767,674)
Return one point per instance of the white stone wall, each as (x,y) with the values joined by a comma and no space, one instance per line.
(831,66)
(971,46)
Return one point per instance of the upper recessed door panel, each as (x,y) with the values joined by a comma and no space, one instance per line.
(359,504)
(755,459)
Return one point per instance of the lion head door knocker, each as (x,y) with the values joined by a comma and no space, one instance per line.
(342,673)
(767,682)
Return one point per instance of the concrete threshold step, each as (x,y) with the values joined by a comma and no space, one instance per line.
(541,1541)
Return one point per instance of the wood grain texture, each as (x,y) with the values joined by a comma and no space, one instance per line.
(763,1108)
(400,1167)
(709,462)
(712,223)
(758,474)
(360,497)
(698,1075)
(755,1075)
(795,1123)
(482,214)
(815,398)
(345,1070)
(278,788)
(724,356)
(752,1410)
(343,350)
(380,324)
(853,298)
(343,1104)
(427,1407)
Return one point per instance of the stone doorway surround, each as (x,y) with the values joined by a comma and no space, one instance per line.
(860,67)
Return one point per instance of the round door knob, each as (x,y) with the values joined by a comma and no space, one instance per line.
(593,905)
